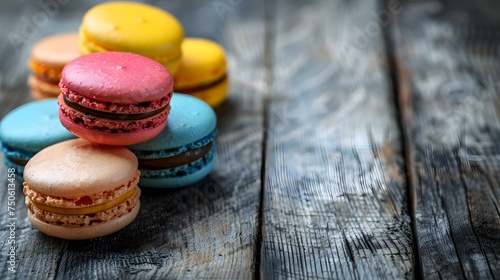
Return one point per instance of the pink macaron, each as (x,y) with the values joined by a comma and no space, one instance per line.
(115,98)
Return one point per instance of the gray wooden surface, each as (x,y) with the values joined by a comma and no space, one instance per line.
(447,60)
(360,140)
(334,194)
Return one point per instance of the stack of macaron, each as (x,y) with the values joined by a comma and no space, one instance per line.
(198,65)
(115,95)
(125,99)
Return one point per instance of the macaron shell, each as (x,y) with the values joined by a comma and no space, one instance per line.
(117,77)
(114,139)
(78,167)
(57,50)
(79,233)
(179,181)
(132,27)
(172,65)
(190,119)
(202,61)
(33,126)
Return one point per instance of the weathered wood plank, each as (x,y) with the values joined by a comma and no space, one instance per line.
(334,193)
(206,231)
(447,56)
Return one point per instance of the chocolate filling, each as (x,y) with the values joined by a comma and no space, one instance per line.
(202,87)
(19,162)
(112,116)
(177,160)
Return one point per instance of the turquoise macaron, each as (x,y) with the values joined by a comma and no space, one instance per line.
(28,129)
(184,152)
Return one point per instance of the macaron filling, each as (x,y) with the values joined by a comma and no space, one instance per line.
(178,161)
(115,107)
(43,79)
(114,126)
(89,209)
(183,170)
(202,87)
(16,161)
(81,201)
(82,220)
(44,73)
(114,116)
(85,210)
(175,161)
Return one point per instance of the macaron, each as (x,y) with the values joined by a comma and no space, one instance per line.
(132,27)
(79,190)
(28,129)
(202,71)
(48,58)
(184,152)
(115,98)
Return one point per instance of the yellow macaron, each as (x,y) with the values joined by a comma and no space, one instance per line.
(202,71)
(132,27)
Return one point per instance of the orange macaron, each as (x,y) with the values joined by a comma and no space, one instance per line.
(47,59)
(80,190)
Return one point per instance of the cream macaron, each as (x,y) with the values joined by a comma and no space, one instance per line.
(80,190)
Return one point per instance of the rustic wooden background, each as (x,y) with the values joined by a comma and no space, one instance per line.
(360,140)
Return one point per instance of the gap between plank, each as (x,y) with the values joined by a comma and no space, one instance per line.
(268,61)
(395,76)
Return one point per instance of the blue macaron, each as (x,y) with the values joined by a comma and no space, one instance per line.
(184,152)
(28,129)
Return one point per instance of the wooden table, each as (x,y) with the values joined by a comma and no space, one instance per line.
(360,140)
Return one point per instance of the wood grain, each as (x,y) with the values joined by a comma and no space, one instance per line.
(334,193)
(448,64)
(322,172)
(207,231)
